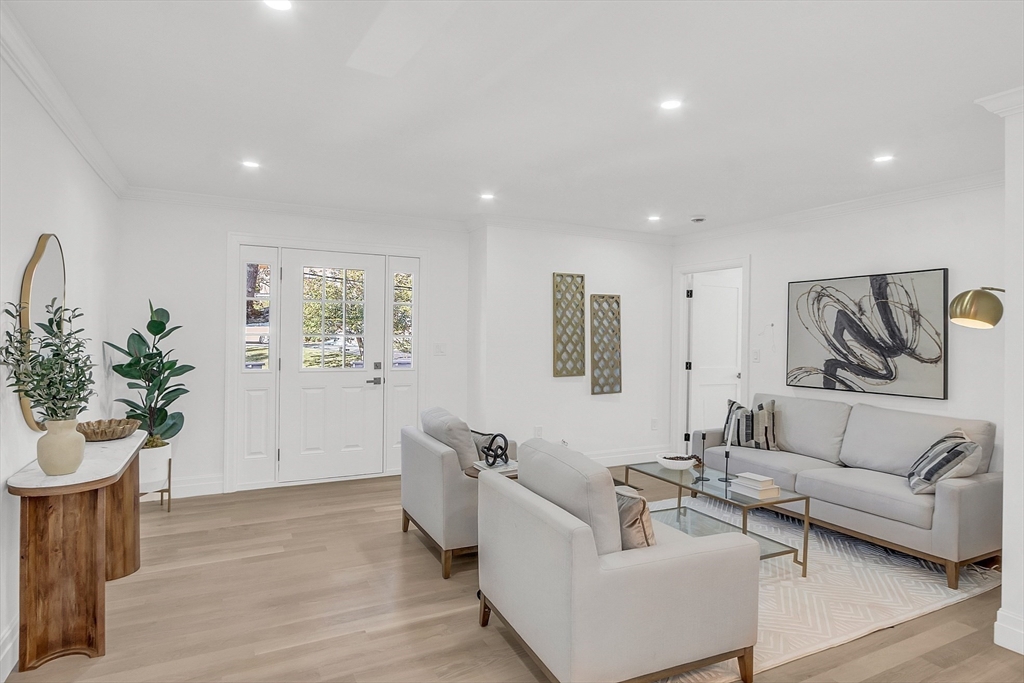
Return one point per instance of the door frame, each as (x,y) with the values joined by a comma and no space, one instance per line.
(680,341)
(233,351)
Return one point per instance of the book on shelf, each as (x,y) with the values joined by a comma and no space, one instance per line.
(755,481)
(499,466)
(751,492)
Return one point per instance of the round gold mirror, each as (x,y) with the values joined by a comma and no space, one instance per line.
(43,283)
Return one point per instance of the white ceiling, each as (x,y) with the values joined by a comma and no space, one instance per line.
(416,108)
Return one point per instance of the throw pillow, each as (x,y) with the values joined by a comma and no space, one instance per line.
(634,519)
(954,455)
(452,432)
(754,428)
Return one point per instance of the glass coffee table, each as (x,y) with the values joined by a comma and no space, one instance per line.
(697,523)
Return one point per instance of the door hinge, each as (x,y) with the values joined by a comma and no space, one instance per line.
(279,455)
(689,365)
(686,436)
(280,273)
(689,294)
(279,365)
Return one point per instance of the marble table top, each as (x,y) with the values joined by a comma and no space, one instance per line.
(103,464)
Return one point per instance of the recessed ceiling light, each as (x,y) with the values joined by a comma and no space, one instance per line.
(487,195)
(654,219)
(886,157)
(671,104)
(251,164)
(278,4)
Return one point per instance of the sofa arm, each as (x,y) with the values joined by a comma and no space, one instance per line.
(705,438)
(630,616)
(968,518)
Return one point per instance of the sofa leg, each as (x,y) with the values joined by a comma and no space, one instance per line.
(746,662)
(446,564)
(405,521)
(485,610)
(953,574)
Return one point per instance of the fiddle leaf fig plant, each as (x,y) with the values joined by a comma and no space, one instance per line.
(152,371)
(51,368)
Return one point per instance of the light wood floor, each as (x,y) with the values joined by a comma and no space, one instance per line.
(317,583)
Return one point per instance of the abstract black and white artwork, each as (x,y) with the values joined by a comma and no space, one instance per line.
(880,334)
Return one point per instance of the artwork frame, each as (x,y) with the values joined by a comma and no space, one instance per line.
(893,334)
(605,344)
(568,325)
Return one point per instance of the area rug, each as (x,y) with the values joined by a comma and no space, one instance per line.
(852,588)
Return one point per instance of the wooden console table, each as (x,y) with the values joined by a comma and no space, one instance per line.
(77,531)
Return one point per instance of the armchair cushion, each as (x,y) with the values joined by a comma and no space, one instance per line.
(575,483)
(634,519)
(452,432)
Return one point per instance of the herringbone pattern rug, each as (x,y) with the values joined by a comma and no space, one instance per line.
(853,588)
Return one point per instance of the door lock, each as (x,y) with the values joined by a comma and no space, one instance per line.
(375,380)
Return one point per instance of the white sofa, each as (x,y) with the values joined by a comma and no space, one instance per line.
(437,495)
(853,462)
(552,568)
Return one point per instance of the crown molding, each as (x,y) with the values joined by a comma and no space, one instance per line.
(514,223)
(18,51)
(145,194)
(1004,103)
(917,194)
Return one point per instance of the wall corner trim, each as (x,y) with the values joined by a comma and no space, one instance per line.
(8,649)
(18,52)
(1004,103)
(1009,631)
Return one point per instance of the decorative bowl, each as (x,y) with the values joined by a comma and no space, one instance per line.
(664,459)
(108,430)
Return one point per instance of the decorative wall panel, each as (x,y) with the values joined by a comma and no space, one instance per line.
(605,344)
(569,325)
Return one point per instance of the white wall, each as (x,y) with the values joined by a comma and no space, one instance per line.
(45,186)
(514,382)
(175,254)
(962,232)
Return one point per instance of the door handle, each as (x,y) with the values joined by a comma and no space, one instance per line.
(375,380)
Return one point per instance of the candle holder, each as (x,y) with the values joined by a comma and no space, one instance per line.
(728,444)
(703,438)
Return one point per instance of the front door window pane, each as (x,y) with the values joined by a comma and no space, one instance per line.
(402,322)
(332,318)
(257,316)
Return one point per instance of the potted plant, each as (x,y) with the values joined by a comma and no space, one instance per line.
(51,369)
(152,371)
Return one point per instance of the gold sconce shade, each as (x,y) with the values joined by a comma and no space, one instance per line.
(978,308)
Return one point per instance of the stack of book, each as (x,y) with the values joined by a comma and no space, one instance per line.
(511,466)
(755,486)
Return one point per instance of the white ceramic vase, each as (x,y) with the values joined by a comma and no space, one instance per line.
(61,449)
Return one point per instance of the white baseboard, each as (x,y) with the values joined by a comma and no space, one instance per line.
(1010,631)
(8,650)
(627,456)
(188,487)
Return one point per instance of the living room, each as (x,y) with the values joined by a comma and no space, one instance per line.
(434,172)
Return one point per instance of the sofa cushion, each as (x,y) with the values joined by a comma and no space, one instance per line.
(809,426)
(951,457)
(635,526)
(877,493)
(779,465)
(450,430)
(891,441)
(575,483)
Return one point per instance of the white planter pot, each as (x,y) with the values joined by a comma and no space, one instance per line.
(61,449)
(153,468)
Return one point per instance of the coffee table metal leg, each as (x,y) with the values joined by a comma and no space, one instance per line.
(679,498)
(627,475)
(744,520)
(807,528)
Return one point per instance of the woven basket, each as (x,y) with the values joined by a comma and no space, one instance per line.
(108,430)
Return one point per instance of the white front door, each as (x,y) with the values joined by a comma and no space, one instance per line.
(332,358)
(715,345)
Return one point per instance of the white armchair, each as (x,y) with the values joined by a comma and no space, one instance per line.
(586,614)
(437,495)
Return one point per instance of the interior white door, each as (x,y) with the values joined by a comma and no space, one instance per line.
(332,355)
(715,345)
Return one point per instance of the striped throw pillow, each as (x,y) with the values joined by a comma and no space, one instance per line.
(954,455)
(754,428)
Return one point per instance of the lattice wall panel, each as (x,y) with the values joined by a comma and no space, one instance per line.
(569,325)
(605,344)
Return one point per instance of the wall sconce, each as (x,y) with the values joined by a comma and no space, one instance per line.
(978,308)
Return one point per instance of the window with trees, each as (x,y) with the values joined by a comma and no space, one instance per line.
(257,316)
(332,317)
(402,332)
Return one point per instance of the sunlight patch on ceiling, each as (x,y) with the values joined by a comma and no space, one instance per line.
(398,33)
